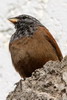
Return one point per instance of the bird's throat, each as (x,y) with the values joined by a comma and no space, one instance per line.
(23,31)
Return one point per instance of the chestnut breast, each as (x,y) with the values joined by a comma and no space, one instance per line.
(31,52)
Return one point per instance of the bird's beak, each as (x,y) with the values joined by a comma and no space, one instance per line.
(13,20)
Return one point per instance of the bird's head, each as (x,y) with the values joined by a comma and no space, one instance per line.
(24,20)
(25,26)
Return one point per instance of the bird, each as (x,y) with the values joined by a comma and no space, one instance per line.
(32,45)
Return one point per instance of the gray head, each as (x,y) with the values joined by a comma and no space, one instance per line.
(25,25)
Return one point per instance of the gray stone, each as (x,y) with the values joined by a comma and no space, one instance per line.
(47,83)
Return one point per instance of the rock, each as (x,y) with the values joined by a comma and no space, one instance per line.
(47,83)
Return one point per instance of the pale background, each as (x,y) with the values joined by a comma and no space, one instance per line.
(51,13)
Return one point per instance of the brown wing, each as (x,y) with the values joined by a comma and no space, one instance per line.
(50,38)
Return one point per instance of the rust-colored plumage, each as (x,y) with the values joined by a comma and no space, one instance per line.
(33,49)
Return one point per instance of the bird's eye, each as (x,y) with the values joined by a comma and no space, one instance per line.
(24,17)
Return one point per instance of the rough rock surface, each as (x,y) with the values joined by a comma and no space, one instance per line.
(47,83)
